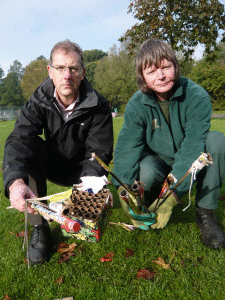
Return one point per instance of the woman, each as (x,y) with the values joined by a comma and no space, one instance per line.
(166,128)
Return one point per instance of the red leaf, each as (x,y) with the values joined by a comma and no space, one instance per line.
(107,257)
(20,234)
(7,297)
(129,252)
(59,280)
(145,274)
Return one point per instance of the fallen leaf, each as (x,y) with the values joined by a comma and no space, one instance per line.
(7,297)
(65,257)
(66,251)
(107,257)
(59,280)
(161,263)
(145,274)
(62,248)
(21,234)
(182,263)
(129,252)
(200,258)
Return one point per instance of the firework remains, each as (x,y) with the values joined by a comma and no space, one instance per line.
(81,213)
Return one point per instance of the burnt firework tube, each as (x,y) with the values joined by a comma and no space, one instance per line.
(124,195)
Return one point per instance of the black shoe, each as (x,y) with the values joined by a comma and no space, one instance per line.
(39,248)
(212,235)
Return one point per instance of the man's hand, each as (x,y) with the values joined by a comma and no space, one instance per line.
(18,193)
(164,212)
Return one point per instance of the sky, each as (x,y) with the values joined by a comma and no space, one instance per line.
(30,28)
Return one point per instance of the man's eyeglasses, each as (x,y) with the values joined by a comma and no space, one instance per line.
(72,70)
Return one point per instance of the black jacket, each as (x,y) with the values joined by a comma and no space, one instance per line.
(88,129)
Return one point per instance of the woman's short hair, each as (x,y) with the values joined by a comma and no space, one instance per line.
(151,53)
(67,46)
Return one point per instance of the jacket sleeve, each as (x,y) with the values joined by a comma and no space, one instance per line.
(20,144)
(99,141)
(197,125)
(130,146)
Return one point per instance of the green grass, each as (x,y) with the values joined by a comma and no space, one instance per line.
(196,272)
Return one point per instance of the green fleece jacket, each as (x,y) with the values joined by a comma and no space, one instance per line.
(179,144)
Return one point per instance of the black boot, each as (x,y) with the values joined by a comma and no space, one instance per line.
(212,235)
(39,248)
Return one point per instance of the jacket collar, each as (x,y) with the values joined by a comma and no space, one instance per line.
(44,95)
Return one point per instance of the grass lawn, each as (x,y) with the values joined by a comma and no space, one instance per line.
(195,272)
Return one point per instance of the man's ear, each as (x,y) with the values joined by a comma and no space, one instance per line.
(83,74)
(49,71)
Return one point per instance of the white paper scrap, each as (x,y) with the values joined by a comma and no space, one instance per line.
(94,183)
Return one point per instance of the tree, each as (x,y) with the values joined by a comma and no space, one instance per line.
(185,65)
(90,71)
(115,77)
(183,24)
(1,73)
(93,55)
(211,76)
(17,69)
(41,57)
(10,91)
(33,76)
(91,58)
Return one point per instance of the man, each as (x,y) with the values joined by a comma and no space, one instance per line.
(166,128)
(76,121)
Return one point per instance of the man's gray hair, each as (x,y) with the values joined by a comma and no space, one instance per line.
(67,46)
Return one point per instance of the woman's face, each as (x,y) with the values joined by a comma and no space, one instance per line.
(160,79)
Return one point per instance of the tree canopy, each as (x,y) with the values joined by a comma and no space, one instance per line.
(10,91)
(183,24)
(34,74)
(41,57)
(17,69)
(91,58)
(93,55)
(1,72)
(211,76)
(115,77)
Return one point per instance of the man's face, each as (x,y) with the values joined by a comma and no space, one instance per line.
(161,79)
(66,82)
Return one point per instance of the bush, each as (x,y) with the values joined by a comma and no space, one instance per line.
(212,78)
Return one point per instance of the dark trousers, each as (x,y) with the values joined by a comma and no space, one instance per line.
(47,165)
(153,172)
